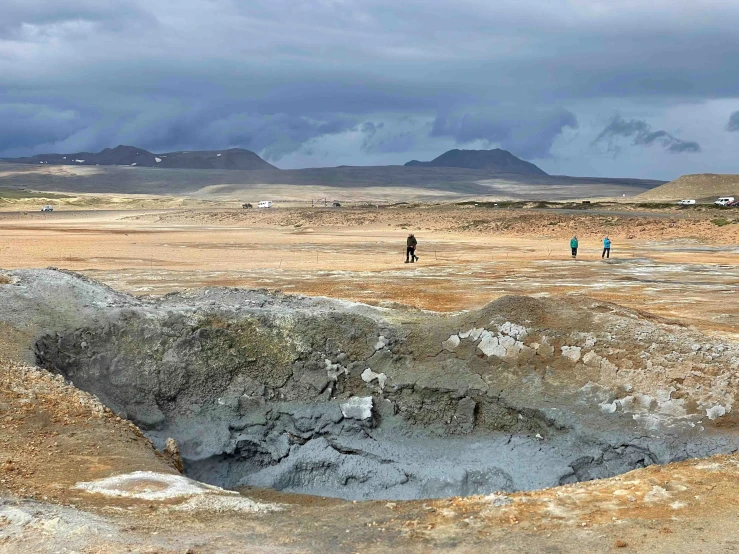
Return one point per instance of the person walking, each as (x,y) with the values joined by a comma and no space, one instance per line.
(410,250)
(573,245)
(606,248)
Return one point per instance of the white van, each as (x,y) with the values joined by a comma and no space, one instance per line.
(687,202)
(265,204)
(724,201)
(48,208)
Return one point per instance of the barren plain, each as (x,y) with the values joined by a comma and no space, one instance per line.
(495,396)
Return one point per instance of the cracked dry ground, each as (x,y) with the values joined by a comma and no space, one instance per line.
(55,436)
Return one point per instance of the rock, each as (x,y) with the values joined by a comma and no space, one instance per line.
(464,417)
(715,412)
(357,407)
(487,343)
(518,332)
(451,343)
(497,499)
(171,453)
(608,408)
(656,494)
(368,376)
(381,343)
(545,350)
(475,333)
(506,341)
(248,404)
(571,352)
(334,370)
(490,345)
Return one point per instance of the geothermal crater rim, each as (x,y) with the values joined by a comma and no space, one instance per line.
(323,397)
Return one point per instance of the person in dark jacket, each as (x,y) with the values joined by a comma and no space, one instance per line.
(410,250)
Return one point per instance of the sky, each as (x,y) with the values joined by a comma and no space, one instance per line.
(621,88)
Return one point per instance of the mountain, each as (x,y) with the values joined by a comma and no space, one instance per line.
(491,160)
(377,184)
(701,186)
(234,158)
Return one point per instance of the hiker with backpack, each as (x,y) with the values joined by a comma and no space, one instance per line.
(410,250)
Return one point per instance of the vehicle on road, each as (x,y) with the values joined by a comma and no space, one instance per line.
(47,208)
(246,206)
(687,202)
(265,204)
(734,204)
(724,201)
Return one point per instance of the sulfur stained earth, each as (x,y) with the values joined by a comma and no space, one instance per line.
(53,436)
(675,263)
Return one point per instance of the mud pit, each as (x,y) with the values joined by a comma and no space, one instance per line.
(333,398)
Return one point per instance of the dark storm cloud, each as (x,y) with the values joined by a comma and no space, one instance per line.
(26,125)
(733,124)
(643,135)
(274,135)
(31,20)
(379,138)
(527,132)
(277,75)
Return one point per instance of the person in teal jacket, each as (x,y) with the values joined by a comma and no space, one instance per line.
(573,245)
(606,248)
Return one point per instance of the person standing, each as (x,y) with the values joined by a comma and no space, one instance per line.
(410,250)
(606,248)
(573,245)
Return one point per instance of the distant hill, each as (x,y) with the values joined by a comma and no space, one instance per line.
(234,158)
(376,183)
(701,186)
(492,160)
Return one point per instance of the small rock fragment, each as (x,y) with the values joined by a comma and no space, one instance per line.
(368,376)
(451,343)
(571,352)
(171,453)
(357,407)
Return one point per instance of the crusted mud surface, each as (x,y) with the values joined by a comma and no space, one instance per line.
(338,399)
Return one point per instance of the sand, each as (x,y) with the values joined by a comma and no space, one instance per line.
(675,265)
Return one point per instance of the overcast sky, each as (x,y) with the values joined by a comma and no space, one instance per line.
(604,88)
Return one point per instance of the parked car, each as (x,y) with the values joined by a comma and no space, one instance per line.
(265,204)
(724,201)
(687,202)
(47,208)
(246,206)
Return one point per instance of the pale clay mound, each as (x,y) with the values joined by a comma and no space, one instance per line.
(149,485)
(700,186)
